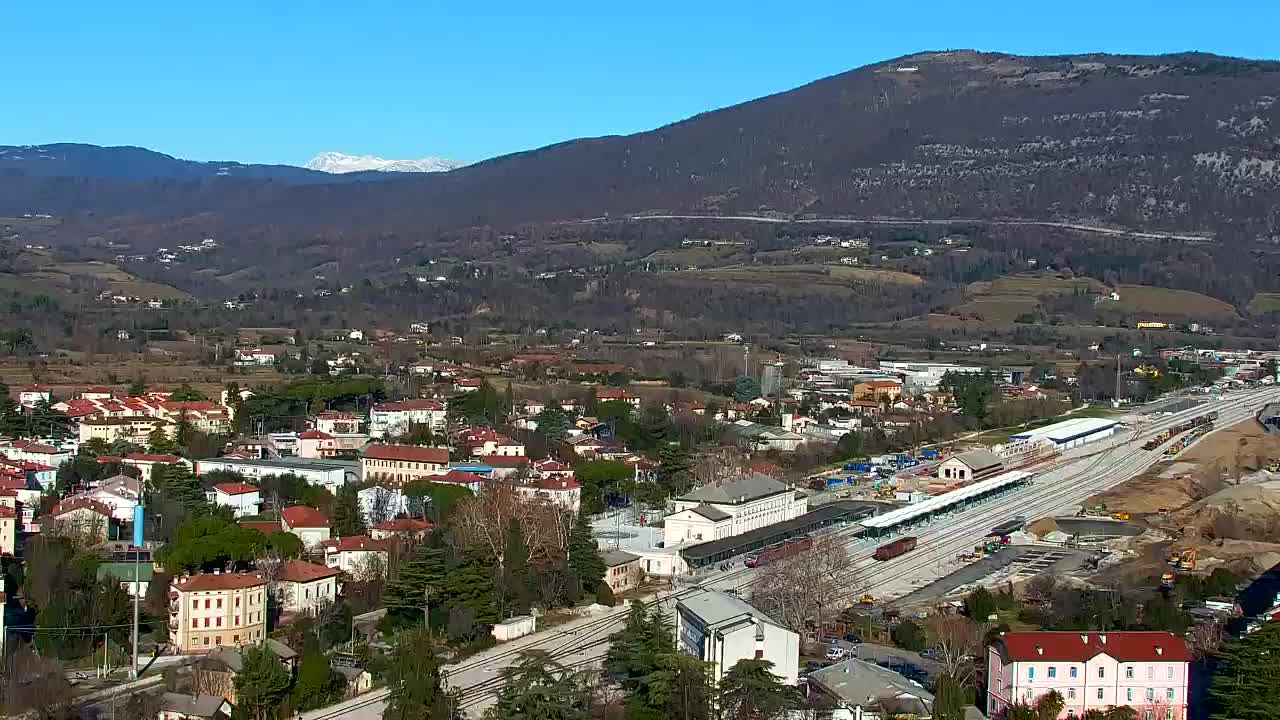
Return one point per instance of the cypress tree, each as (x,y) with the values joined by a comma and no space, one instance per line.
(584,556)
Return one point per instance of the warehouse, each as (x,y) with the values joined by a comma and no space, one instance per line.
(1071,433)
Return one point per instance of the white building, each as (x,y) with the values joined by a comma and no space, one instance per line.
(731,508)
(722,629)
(564,492)
(924,376)
(1071,433)
(356,556)
(329,474)
(395,418)
(120,493)
(243,499)
(304,587)
(309,524)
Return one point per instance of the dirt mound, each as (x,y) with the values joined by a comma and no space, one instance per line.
(1244,444)
(1240,512)
(1041,527)
(1150,492)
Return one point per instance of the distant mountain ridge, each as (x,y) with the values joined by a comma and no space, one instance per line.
(134,163)
(342,163)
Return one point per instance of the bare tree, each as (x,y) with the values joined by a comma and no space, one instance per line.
(1205,639)
(484,518)
(955,640)
(372,566)
(807,586)
(35,687)
(380,506)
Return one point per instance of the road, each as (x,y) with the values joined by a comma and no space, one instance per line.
(1063,485)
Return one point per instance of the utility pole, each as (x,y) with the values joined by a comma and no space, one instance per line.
(138,513)
(426,609)
(1117,400)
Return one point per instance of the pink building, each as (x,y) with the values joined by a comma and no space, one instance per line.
(1147,671)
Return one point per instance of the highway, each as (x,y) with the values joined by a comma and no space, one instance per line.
(1060,486)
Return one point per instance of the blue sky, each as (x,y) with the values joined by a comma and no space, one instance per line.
(229,80)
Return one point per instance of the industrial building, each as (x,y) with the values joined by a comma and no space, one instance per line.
(1072,433)
(905,517)
(331,474)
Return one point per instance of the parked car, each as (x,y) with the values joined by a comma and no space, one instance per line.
(835,652)
(853,638)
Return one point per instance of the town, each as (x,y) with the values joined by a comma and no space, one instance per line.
(891,536)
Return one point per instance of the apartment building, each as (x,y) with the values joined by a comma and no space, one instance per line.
(304,587)
(395,418)
(400,464)
(1147,671)
(216,610)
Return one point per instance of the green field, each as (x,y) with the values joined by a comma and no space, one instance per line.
(1166,301)
(830,276)
(1265,303)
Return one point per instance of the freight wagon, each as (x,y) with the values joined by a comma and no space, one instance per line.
(898,547)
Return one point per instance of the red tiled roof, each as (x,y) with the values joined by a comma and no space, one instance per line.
(303,516)
(152,457)
(220,581)
(551,466)
(75,503)
(1082,646)
(354,543)
(557,483)
(302,571)
(611,393)
(408,453)
(35,447)
(190,405)
(6,492)
(314,435)
(402,525)
(7,512)
(235,488)
(457,476)
(266,527)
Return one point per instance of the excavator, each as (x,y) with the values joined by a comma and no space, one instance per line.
(1184,558)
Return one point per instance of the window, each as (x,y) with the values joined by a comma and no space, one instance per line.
(1168,694)
(195,604)
(206,603)
(1151,694)
(219,622)
(217,640)
(1027,694)
(1074,671)
(1099,693)
(1170,673)
(1128,673)
(1071,713)
(1031,673)
(1151,672)
(195,622)
(1147,715)
(1102,672)
(206,622)
(1168,714)
(219,603)
(206,641)
(1053,671)
(1128,694)
(237,601)
(1071,693)
(235,638)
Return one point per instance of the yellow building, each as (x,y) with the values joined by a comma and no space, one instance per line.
(217,610)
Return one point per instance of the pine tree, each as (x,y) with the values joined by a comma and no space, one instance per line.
(469,584)
(517,590)
(177,483)
(346,519)
(584,556)
(317,684)
(673,469)
(750,691)
(261,685)
(138,387)
(158,441)
(414,681)
(634,650)
(538,688)
(1246,683)
(679,687)
(405,597)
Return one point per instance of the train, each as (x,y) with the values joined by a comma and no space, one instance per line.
(1205,420)
(901,546)
(1009,526)
(777,551)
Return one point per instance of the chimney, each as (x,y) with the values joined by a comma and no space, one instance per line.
(1103,638)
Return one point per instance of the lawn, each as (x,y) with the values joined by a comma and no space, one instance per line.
(1166,301)
(808,275)
(1265,303)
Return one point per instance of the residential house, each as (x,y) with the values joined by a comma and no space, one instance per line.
(400,464)
(857,690)
(215,610)
(396,418)
(484,442)
(410,529)
(136,430)
(498,466)
(623,571)
(32,395)
(617,395)
(355,680)
(1146,671)
(8,530)
(358,556)
(179,706)
(120,493)
(309,524)
(331,474)
(255,356)
(124,573)
(86,521)
(337,423)
(146,462)
(750,502)
(471,481)
(303,587)
(35,452)
(722,629)
(243,499)
(564,492)
(380,502)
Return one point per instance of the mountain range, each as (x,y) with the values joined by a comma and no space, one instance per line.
(340,163)
(1187,143)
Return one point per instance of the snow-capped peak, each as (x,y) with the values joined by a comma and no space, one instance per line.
(336,162)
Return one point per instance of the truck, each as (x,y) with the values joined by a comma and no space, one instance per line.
(889,551)
(929,454)
(860,467)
